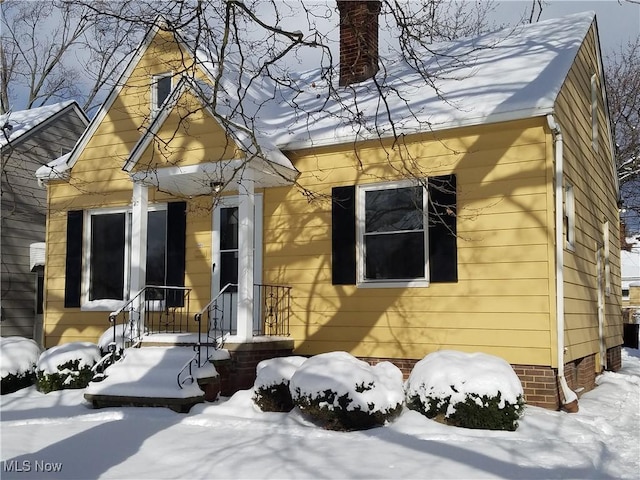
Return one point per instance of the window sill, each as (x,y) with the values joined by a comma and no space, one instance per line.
(394,284)
(106,305)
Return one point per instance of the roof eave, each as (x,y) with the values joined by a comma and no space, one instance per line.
(453,123)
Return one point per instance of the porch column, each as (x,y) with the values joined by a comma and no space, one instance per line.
(246,221)
(139,206)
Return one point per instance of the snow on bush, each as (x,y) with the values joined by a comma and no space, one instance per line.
(66,366)
(18,358)
(271,388)
(467,390)
(344,393)
(123,334)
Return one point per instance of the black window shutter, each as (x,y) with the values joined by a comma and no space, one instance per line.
(443,251)
(73,266)
(343,235)
(176,234)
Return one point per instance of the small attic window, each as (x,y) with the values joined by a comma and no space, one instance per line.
(160,90)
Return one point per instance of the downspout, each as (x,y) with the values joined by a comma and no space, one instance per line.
(570,401)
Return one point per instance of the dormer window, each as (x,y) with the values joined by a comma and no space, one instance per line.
(160,90)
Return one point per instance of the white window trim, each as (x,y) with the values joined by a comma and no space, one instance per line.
(360,230)
(230,202)
(107,305)
(570,214)
(154,90)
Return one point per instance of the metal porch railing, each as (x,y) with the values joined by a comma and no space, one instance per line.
(165,309)
(275,308)
(154,309)
(273,304)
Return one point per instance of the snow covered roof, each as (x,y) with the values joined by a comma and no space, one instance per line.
(24,121)
(506,75)
(511,74)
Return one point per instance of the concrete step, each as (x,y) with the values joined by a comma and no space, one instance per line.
(148,377)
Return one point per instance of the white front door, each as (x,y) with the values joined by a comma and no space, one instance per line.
(225,259)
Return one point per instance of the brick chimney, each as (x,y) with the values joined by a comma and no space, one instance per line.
(358,40)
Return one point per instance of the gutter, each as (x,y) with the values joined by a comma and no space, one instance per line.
(570,401)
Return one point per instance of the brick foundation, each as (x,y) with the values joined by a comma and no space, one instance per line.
(540,383)
(239,372)
(614,358)
(404,364)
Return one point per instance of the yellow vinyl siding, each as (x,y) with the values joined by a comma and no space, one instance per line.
(590,173)
(503,250)
(504,300)
(189,136)
(98,181)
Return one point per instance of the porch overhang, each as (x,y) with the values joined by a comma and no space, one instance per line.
(215,177)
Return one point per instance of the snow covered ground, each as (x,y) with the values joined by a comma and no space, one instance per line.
(58,436)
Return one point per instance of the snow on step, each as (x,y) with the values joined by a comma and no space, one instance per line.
(150,372)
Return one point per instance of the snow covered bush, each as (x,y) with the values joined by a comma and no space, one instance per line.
(18,358)
(106,339)
(271,388)
(343,393)
(466,390)
(66,366)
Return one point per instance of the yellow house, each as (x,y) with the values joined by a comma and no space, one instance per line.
(378,215)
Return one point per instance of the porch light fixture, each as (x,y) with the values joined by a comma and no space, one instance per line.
(216,187)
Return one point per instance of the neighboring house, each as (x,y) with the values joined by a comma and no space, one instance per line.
(630,267)
(29,139)
(487,222)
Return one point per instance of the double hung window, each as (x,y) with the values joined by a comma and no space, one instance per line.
(107,270)
(392,232)
(98,255)
(395,234)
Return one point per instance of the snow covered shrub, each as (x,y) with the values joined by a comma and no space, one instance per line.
(66,366)
(343,393)
(18,358)
(466,390)
(271,388)
(123,336)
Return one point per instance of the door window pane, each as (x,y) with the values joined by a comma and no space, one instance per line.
(229,228)
(107,256)
(156,247)
(156,252)
(229,247)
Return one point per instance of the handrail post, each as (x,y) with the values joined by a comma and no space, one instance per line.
(198,318)
(114,346)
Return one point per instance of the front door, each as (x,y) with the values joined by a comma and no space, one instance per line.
(225,260)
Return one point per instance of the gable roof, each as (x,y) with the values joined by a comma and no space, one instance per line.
(23,123)
(276,169)
(507,75)
(511,74)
